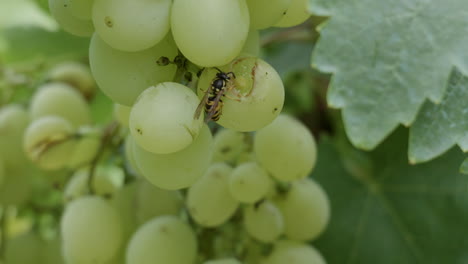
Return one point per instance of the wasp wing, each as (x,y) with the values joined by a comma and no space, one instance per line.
(202,103)
(214,107)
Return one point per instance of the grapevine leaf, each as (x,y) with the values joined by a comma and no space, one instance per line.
(440,126)
(392,212)
(387,57)
(464,166)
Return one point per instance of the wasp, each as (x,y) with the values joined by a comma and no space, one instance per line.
(212,101)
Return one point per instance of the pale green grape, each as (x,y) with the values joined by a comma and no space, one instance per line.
(60,99)
(306,210)
(130,155)
(17,185)
(152,201)
(165,239)
(81,9)
(162,121)
(86,148)
(60,10)
(124,75)
(122,114)
(296,14)
(249,182)
(228,145)
(13,122)
(210,32)
(252,44)
(176,170)
(256,97)
(286,149)
(266,13)
(264,221)
(106,181)
(23,249)
(131,25)
(48,142)
(209,201)
(223,261)
(294,253)
(124,202)
(75,74)
(91,231)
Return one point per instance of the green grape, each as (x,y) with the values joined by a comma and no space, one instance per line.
(122,114)
(228,145)
(286,149)
(176,170)
(75,74)
(81,9)
(296,14)
(256,97)
(248,182)
(294,253)
(60,10)
(210,32)
(252,44)
(165,239)
(152,202)
(208,200)
(266,13)
(223,261)
(264,221)
(91,231)
(306,210)
(131,25)
(17,185)
(130,155)
(86,148)
(48,142)
(13,122)
(60,99)
(106,181)
(51,253)
(161,121)
(124,75)
(23,249)
(124,202)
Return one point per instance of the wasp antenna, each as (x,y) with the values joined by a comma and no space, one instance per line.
(220,71)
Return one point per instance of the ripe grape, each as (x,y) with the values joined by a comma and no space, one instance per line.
(294,252)
(122,114)
(306,210)
(131,25)
(86,148)
(124,75)
(161,121)
(13,122)
(248,182)
(228,145)
(210,32)
(165,239)
(264,221)
(266,13)
(91,231)
(286,149)
(209,201)
(81,8)
(296,14)
(75,74)
(60,10)
(176,170)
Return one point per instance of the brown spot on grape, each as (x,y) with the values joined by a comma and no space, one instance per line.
(139,131)
(108,21)
(275,109)
(225,149)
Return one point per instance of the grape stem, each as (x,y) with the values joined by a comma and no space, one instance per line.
(109,132)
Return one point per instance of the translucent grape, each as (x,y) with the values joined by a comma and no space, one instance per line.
(286,149)
(209,201)
(86,147)
(152,202)
(177,170)
(165,239)
(75,74)
(228,145)
(306,210)
(122,114)
(223,261)
(13,122)
(264,221)
(252,44)
(249,182)
(131,25)
(256,97)
(294,252)
(60,10)
(81,9)
(60,99)
(48,142)
(266,13)
(130,155)
(161,121)
(124,75)
(91,231)
(210,32)
(296,14)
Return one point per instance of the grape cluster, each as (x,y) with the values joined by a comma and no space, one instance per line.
(240,195)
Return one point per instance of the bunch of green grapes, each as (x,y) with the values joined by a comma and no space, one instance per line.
(172,68)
